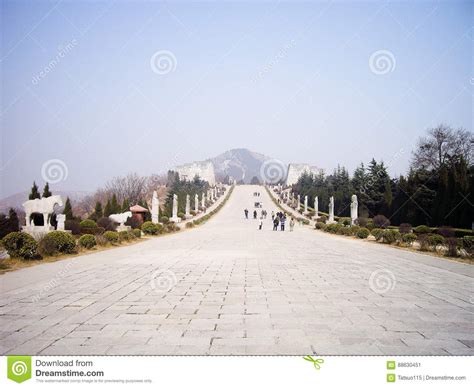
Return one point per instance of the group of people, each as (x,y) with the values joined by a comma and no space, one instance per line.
(278,219)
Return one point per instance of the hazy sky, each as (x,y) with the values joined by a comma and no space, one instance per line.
(112,87)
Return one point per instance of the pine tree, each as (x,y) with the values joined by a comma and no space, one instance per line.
(34,192)
(108,209)
(115,207)
(46,192)
(68,210)
(98,212)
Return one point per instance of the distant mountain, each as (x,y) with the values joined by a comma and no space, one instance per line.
(16,200)
(239,163)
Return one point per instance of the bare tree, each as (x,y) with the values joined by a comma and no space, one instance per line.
(131,187)
(442,146)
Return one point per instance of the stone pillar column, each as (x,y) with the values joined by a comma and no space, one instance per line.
(331,211)
(175,218)
(155,208)
(316,208)
(298,202)
(188,207)
(305,204)
(354,209)
(196,203)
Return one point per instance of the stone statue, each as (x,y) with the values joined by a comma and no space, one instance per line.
(316,208)
(61,219)
(298,203)
(45,206)
(331,210)
(175,217)
(187,210)
(305,204)
(155,208)
(203,200)
(120,218)
(354,209)
(196,203)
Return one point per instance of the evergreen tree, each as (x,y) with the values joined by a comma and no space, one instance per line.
(13,220)
(98,212)
(115,207)
(108,209)
(68,210)
(34,192)
(125,205)
(46,192)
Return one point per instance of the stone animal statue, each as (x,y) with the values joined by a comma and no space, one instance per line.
(45,206)
(120,218)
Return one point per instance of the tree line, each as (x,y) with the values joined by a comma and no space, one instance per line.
(436,191)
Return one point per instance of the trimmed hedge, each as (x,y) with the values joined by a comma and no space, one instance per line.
(150,228)
(87,241)
(111,237)
(363,233)
(58,242)
(20,244)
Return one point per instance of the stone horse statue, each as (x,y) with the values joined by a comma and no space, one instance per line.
(120,218)
(45,206)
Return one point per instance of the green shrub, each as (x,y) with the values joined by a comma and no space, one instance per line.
(468,244)
(377,233)
(111,237)
(322,219)
(332,228)
(74,226)
(320,225)
(408,238)
(137,233)
(435,240)
(346,221)
(181,215)
(106,223)
(88,224)
(390,236)
(422,229)
(87,241)
(189,225)
(20,244)
(62,242)
(370,225)
(363,233)
(124,236)
(405,228)
(150,228)
(164,220)
(354,229)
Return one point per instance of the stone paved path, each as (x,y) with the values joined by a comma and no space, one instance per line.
(236,290)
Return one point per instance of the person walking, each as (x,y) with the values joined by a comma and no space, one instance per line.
(292,224)
(260,224)
(276,221)
(273,215)
(254,214)
(282,223)
(246,213)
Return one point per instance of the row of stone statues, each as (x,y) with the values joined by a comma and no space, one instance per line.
(289,196)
